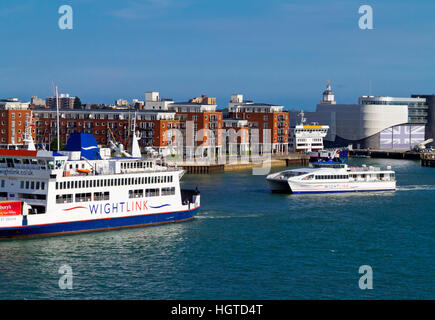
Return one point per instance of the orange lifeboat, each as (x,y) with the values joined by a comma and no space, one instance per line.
(83,170)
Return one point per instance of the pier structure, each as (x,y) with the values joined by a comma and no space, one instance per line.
(388,154)
(203,167)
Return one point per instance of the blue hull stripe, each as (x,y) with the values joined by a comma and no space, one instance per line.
(97,225)
(342,191)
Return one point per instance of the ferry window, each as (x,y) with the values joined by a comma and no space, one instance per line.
(43,185)
(152,192)
(10,163)
(83,197)
(63,198)
(138,193)
(68,185)
(168,191)
(26,161)
(98,196)
(21,184)
(37,185)
(2,160)
(32,185)
(17,161)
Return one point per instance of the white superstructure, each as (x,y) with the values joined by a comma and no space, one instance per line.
(307,137)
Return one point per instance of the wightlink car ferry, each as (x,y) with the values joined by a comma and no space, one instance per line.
(327,177)
(85,189)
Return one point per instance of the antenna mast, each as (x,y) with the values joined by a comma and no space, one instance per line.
(57,117)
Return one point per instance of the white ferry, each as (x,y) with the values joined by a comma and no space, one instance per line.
(85,189)
(329,177)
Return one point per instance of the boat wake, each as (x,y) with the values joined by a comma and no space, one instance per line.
(205,216)
(416,187)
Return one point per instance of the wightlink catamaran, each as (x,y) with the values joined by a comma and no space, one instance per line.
(330,176)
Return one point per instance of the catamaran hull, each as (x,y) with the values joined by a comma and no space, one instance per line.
(51,229)
(279,186)
(298,188)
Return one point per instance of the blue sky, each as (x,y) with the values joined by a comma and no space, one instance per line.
(272,51)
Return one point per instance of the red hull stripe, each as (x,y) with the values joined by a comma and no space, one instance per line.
(23,153)
(74,208)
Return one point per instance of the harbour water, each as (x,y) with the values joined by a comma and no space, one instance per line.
(247,243)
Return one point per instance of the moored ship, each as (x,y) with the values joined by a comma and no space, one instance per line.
(85,189)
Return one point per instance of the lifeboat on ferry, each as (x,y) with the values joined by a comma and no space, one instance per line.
(83,170)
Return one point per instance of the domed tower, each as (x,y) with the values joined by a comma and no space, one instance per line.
(328,95)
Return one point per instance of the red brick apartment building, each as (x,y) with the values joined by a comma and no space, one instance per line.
(201,113)
(236,136)
(156,128)
(14,116)
(263,116)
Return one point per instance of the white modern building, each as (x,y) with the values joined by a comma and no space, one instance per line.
(375,122)
(154,102)
(13,104)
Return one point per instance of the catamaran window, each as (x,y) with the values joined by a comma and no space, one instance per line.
(2,160)
(17,161)
(26,161)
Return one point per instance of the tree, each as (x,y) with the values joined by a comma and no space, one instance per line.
(53,145)
(77,103)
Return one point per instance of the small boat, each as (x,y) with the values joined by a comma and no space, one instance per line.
(331,177)
(339,155)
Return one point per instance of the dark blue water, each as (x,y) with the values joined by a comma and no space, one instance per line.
(248,243)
